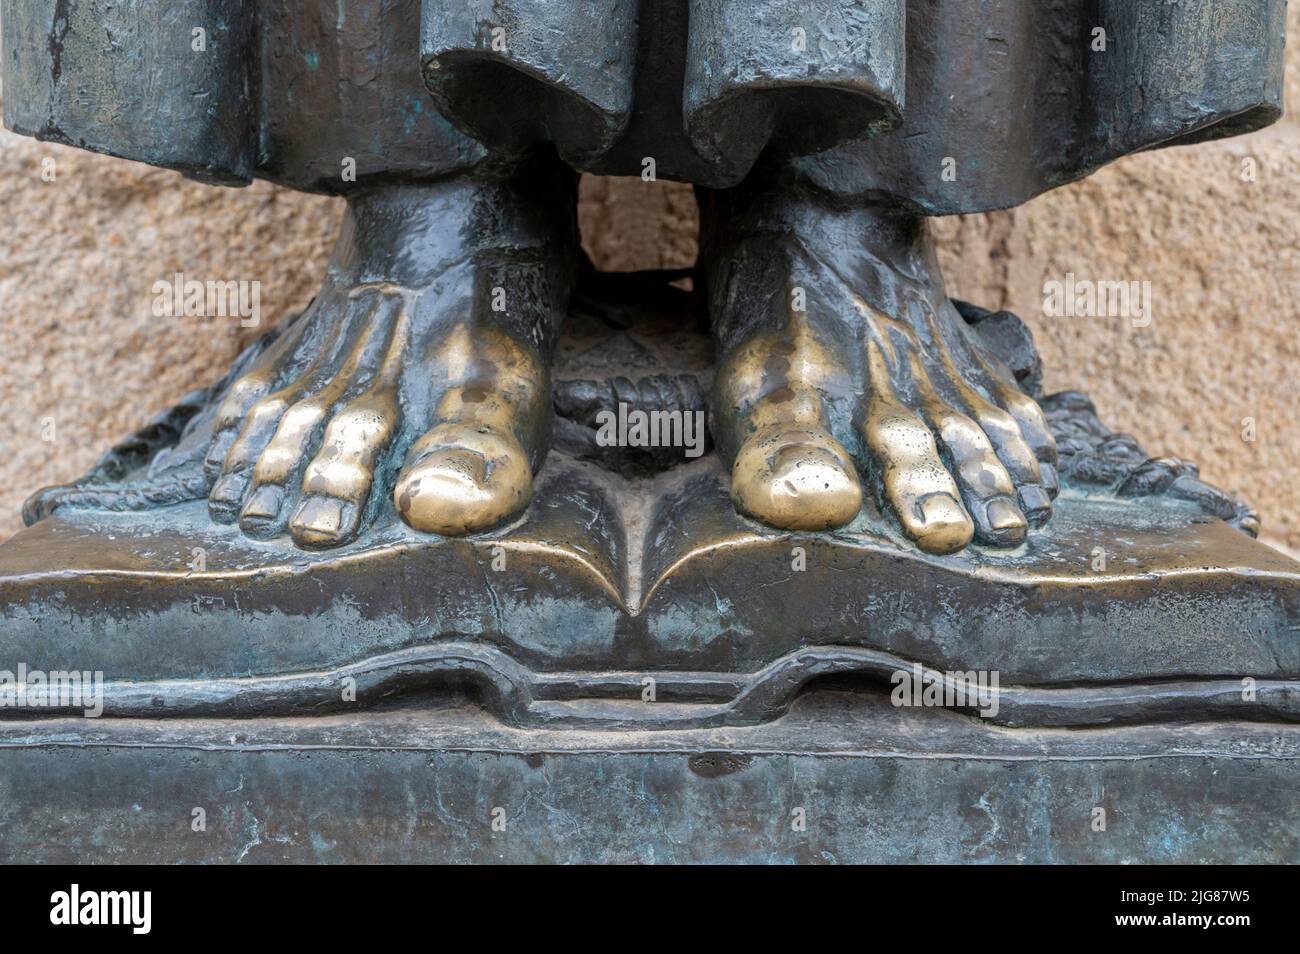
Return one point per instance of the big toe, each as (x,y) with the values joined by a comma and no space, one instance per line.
(796,478)
(461,480)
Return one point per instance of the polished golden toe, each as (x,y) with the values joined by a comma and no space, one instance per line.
(1003,525)
(461,479)
(940,524)
(323,522)
(796,478)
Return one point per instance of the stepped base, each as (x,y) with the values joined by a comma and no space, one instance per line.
(843,777)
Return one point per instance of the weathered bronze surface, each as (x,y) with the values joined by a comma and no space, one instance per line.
(820,133)
(876,784)
(426,484)
(621,570)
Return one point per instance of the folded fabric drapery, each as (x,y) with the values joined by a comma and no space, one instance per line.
(941,106)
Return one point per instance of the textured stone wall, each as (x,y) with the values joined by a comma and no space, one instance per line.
(83,360)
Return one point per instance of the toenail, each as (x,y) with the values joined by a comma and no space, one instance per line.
(1002,514)
(1035,503)
(322,515)
(945,526)
(265,503)
(226,488)
(940,509)
(1051,482)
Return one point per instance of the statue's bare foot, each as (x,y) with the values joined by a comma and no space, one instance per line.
(419,376)
(839,362)
(305,456)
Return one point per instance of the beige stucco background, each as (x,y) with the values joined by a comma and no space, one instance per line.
(83,361)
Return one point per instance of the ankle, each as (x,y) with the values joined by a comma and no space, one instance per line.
(410,232)
(828,226)
(770,252)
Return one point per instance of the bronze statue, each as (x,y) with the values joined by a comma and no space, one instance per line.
(821,135)
(857,412)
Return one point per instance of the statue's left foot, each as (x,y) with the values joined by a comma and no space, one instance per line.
(817,386)
(955,449)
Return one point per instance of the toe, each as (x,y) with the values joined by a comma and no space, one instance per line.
(986,487)
(227,496)
(1031,426)
(1034,431)
(1036,504)
(999,522)
(796,478)
(1051,480)
(243,394)
(279,466)
(337,483)
(462,479)
(1023,456)
(1029,417)
(322,522)
(916,484)
(1019,460)
(938,523)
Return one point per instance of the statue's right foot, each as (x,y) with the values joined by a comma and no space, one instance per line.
(306,456)
(445,371)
